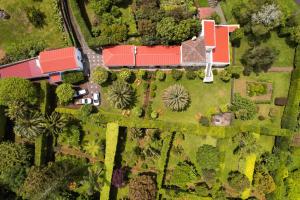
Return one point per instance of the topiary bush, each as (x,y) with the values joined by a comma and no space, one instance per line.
(190,74)
(160,75)
(99,75)
(176,97)
(126,75)
(154,115)
(225,75)
(176,74)
(137,111)
(201,74)
(143,74)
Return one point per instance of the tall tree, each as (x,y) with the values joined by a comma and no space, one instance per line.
(17,89)
(65,93)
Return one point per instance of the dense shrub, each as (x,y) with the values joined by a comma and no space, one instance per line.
(215,72)
(204,121)
(73,77)
(35,16)
(243,108)
(17,90)
(190,74)
(176,74)
(137,111)
(154,115)
(238,181)
(99,75)
(160,75)
(208,157)
(65,93)
(143,74)
(183,174)
(225,75)
(126,75)
(201,74)
(176,97)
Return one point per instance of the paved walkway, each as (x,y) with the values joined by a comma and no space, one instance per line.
(91,58)
(220,12)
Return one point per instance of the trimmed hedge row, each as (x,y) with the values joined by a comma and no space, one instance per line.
(218,132)
(44,97)
(112,133)
(291,111)
(40,150)
(162,163)
(3,121)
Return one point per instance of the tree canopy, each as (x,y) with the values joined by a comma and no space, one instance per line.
(99,75)
(18,90)
(65,93)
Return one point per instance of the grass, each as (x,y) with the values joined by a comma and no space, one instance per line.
(286,53)
(18,27)
(202,3)
(281,82)
(205,99)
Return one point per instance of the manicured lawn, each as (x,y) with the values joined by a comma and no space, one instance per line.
(202,3)
(18,27)
(205,99)
(286,53)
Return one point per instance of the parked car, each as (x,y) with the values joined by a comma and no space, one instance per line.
(83,101)
(96,99)
(80,93)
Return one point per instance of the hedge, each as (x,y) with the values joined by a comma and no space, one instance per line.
(44,97)
(40,150)
(291,111)
(218,132)
(163,162)
(112,133)
(3,122)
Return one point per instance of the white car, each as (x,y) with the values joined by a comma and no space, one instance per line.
(96,99)
(80,93)
(83,101)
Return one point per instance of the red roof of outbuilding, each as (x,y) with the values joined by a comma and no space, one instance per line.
(205,12)
(26,69)
(157,55)
(221,52)
(122,55)
(58,60)
(54,78)
(209,33)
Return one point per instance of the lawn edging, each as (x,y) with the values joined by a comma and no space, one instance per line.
(112,133)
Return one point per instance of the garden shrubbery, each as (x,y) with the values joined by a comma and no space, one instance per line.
(73,77)
(243,108)
(256,88)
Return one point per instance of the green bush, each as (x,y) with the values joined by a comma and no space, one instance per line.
(160,75)
(145,85)
(126,75)
(143,74)
(190,74)
(256,89)
(154,115)
(65,93)
(153,87)
(137,111)
(176,74)
(45,97)
(225,75)
(201,74)
(35,16)
(73,77)
(99,75)
(215,72)
(204,121)
(208,157)
(243,108)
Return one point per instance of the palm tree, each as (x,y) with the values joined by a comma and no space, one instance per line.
(92,147)
(29,124)
(121,95)
(16,109)
(55,123)
(176,97)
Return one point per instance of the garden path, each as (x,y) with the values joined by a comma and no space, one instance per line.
(280,69)
(91,58)
(75,152)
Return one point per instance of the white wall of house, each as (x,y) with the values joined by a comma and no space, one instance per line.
(78,58)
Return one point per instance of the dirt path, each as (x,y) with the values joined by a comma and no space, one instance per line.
(280,69)
(75,152)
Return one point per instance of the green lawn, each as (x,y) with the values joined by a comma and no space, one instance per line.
(205,99)
(202,3)
(286,53)
(281,82)
(18,28)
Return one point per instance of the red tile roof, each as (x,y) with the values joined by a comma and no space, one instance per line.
(221,52)
(26,69)
(209,33)
(58,60)
(54,78)
(205,12)
(158,55)
(122,55)
(232,28)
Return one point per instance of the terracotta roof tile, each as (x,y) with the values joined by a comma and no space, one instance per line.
(122,55)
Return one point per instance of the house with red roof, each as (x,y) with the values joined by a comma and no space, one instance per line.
(210,49)
(48,65)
